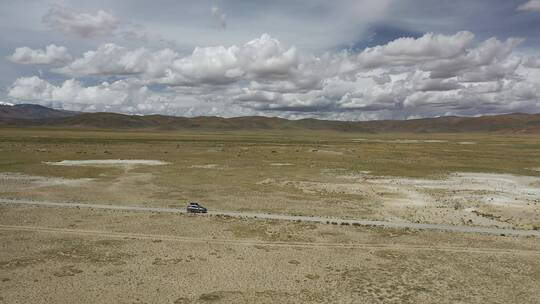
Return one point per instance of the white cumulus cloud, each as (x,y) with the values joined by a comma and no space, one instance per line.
(432,75)
(51,55)
(111,59)
(530,5)
(405,51)
(68,21)
(262,57)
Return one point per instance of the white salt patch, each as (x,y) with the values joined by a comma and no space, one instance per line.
(405,141)
(281,164)
(492,189)
(467,143)
(43,181)
(109,163)
(495,189)
(325,151)
(266,181)
(207,166)
(402,141)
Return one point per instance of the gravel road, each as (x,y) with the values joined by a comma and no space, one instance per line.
(283,217)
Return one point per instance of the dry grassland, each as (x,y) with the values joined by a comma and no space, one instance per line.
(56,255)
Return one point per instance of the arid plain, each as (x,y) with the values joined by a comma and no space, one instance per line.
(89,255)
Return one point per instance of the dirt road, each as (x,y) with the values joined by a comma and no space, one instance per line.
(388,224)
(174,238)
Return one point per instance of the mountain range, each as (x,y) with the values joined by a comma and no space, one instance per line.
(29,115)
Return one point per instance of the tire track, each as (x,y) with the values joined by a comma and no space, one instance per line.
(182,239)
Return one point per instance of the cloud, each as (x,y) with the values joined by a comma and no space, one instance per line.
(437,85)
(219,16)
(31,88)
(431,75)
(533,62)
(80,24)
(406,51)
(126,96)
(530,5)
(111,59)
(262,57)
(51,55)
(101,24)
(124,92)
(489,60)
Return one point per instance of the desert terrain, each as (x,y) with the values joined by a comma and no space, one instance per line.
(288,222)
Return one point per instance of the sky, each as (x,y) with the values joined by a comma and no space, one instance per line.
(338,60)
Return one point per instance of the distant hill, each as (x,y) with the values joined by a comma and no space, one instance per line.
(10,112)
(39,116)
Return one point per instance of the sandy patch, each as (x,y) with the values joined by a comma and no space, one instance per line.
(386,193)
(393,141)
(480,199)
(19,179)
(360,174)
(325,151)
(404,141)
(207,166)
(109,163)
(496,189)
(467,143)
(267,181)
(466,188)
